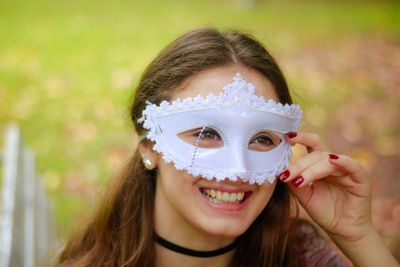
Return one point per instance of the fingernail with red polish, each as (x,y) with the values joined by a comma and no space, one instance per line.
(299,180)
(292,134)
(333,156)
(284,175)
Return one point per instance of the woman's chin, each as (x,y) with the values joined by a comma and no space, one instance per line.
(227,229)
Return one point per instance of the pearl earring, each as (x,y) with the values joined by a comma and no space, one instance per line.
(148,164)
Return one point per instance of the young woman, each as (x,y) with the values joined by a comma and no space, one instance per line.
(210,183)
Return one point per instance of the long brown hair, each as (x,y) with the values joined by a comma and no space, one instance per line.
(121,232)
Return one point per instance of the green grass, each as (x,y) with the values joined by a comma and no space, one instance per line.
(68,69)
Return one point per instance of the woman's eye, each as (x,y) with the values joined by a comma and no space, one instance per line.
(264,142)
(202,137)
(208,134)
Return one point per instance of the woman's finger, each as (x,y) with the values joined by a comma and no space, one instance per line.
(342,170)
(311,141)
(350,167)
(296,168)
(316,172)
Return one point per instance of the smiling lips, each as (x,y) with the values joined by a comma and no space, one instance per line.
(216,196)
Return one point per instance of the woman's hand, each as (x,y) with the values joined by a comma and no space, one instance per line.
(336,193)
(333,189)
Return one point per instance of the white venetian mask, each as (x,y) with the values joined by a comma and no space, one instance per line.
(236,134)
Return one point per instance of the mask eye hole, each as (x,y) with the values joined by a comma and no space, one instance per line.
(264,141)
(205,138)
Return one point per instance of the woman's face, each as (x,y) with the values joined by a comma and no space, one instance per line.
(181,199)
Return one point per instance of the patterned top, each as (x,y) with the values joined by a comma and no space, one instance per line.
(314,251)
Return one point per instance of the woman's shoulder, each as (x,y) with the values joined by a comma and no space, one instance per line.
(314,250)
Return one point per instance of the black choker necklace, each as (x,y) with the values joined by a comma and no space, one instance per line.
(194,253)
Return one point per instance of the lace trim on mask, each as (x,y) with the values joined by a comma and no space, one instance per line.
(240,93)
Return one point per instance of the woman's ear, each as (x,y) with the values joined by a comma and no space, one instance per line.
(149,156)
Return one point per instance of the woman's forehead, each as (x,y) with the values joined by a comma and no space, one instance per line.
(213,80)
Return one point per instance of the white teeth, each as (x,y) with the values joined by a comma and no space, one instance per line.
(212,193)
(216,196)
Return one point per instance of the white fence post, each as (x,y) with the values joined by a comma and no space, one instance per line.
(27,229)
(10,163)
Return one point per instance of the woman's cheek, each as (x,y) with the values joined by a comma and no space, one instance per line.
(264,194)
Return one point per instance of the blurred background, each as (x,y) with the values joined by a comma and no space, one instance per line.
(68,70)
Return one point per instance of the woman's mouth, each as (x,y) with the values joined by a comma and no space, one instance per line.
(223,197)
